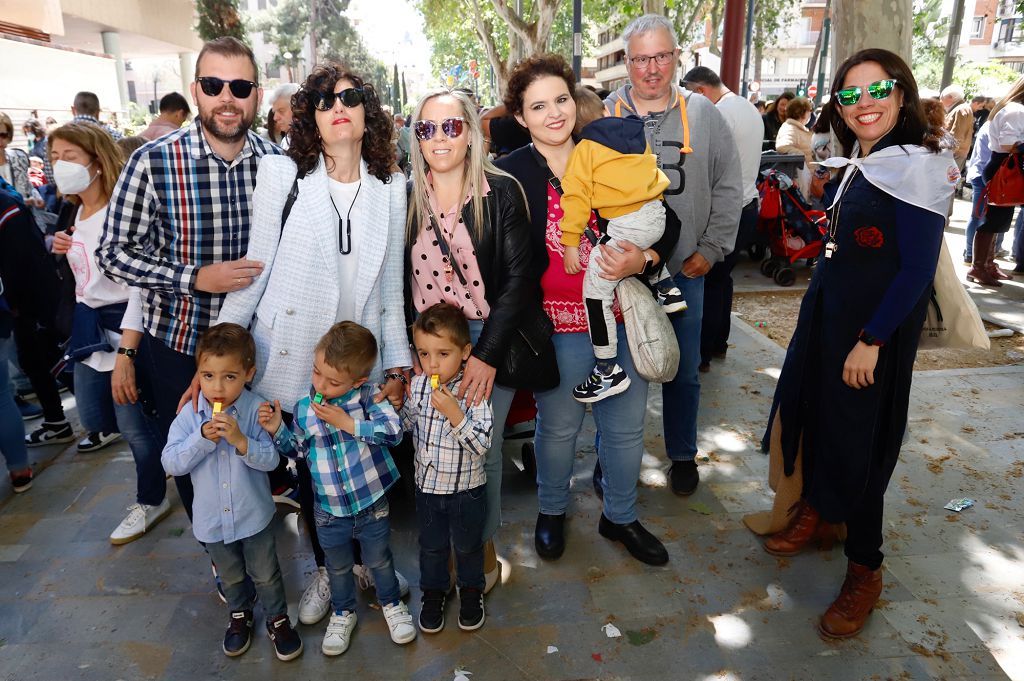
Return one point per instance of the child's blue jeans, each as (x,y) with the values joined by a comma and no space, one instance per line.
(447,520)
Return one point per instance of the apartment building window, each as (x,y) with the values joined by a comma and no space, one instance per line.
(768,66)
(1007,8)
(1009,30)
(978,28)
(797,65)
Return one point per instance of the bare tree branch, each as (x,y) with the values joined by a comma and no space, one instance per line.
(514,21)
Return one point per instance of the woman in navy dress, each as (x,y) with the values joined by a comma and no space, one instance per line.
(842,397)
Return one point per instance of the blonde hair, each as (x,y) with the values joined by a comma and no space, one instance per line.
(477,165)
(589,107)
(97,143)
(1016,94)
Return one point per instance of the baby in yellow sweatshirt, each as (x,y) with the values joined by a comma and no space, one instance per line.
(613,171)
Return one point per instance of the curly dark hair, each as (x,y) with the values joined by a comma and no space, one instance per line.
(304,138)
(529,70)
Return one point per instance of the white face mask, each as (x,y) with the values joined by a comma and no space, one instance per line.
(72,178)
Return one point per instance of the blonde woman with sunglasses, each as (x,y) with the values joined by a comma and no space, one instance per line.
(841,403)
(467,244)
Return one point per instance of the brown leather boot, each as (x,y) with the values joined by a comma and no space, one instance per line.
(979,274)
(848,613)
(805,527)
(992,267)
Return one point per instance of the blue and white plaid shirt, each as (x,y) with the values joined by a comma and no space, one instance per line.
(114,132)
(448,460)
(176,207)
(350,472)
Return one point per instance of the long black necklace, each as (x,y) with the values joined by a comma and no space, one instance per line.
(345,225)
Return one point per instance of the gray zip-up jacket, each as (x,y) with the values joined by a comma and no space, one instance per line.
(706,189)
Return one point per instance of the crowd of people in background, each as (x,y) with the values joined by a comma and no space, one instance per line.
(362,294)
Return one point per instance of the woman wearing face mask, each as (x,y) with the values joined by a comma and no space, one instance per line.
(107,325)
(14,164)
(465,213)
(337,257)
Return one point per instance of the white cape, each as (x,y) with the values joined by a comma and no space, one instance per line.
(910,173)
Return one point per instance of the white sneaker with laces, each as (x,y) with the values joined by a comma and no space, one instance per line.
(339,633)
(364,577)
(316,600)
(399,623)
(139,520)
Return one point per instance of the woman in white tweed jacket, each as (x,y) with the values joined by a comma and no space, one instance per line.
(339,256)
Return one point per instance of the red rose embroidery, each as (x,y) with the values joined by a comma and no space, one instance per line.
(869,237)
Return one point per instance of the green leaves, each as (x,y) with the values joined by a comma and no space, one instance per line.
(216,18)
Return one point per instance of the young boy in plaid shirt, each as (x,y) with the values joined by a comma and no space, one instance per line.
(451,443)
(344,436)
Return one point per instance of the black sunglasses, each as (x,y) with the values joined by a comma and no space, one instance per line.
(350,97)
(5,135)
(451,127)
(212,86)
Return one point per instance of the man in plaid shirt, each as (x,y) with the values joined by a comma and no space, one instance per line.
(178,227)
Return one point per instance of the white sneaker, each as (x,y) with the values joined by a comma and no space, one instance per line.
(140,518)
(364,577)
(338,634)
(316,600)
(400,623)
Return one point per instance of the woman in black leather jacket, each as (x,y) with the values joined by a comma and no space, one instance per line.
(467,244)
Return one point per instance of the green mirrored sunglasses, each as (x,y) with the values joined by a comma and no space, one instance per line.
(880,89)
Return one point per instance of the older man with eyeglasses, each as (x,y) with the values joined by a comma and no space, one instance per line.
(696,150)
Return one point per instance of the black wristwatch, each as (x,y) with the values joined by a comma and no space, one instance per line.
(128,352)
(868,339)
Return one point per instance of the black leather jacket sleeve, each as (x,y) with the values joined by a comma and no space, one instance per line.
(511,284)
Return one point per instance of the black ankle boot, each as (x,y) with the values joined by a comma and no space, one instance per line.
(549,537)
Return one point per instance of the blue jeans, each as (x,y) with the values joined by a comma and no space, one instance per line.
(977,218)
(100,414)
(620,420)
(446,521)
(501,400)
(255,557)
(1018,239)
(681,395)
(372,528)
(12,428)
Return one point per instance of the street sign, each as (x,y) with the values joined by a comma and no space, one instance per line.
(812,91)
(754,86)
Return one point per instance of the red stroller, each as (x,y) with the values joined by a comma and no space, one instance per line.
(792,227)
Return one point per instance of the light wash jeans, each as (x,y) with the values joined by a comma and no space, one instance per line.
(501,400)
(12,428)
(620,419)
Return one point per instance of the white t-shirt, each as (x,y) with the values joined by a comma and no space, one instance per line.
(747,129)
(346,195)
(1007,127)
(92,286)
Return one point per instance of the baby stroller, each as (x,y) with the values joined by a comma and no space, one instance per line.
(520,426)
(792,227)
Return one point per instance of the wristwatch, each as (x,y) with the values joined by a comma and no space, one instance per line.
(128,352)
(868,339)
(648,265)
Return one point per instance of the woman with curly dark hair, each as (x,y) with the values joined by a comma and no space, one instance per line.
(328,222)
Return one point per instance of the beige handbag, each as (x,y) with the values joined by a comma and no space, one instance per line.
(952,320)
(649,332)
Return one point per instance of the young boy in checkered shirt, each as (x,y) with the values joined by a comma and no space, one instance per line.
(344,436)
(451,442)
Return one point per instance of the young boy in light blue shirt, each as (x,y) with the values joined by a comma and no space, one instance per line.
(226,452)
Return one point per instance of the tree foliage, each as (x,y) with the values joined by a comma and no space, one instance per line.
(288,28)
(931,31)
(216,18)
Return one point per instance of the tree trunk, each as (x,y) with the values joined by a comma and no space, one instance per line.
(859,24)
(716,22)
(758,57)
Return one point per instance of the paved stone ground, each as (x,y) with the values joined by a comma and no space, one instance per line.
(74,607)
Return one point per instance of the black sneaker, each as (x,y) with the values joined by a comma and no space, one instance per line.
(684,477)
(28,410)
(96,441)
(287,643)
(471,608)
(670,298)
(50,434)
(599,386)
(432,611)
(22,480)
(239,634)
